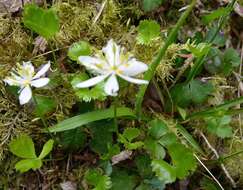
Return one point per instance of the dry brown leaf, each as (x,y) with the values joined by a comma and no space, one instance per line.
(124,155)
(68,185)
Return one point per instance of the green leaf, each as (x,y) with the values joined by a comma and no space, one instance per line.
(207,184)
(164,171)
(77,49)
(154,148)
(131,133)
(195,92)
(102,137)
(182,112)
(168,139)
(149,5)
(219,126)
(88,94)
(23,147)
(231,60)
(143,164)
(219,39)
(206,19)
(44,22)
(74,139)
(148,30)
(99,181)
(27,164)
(121,179)
(182,159)
(89,117)
(47,148)
(199,50)
(44,105)
(158,128)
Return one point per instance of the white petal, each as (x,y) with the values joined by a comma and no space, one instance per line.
(12,82)
(25,95)
(133,67)
(43,70)
(28,66)
(133,80)
(40,82)
(112,53)
(112,86)
(91,63)
(91,82)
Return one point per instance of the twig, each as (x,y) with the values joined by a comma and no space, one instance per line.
(217,156)
(100,12)
(205,167)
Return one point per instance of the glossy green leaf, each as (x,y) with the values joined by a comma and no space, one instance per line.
(89,117)
(77,49)
(183,160)
(148,30)
(47,148)
(23,147)
(164,171)
(149,5)
(27,164)
(43,22)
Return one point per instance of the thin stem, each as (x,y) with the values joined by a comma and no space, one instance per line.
(156,85)
(53,55)
(231,155)
(43,120)
(152,67)
(115,113)
(199,62)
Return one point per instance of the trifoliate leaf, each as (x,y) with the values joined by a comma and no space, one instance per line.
(182,159)
(86,94)
(219,126)
(23,147)
(96,179)
(164,171)
(195,92)
(73,139)
(77,49)
(43,22)
(46,149)
(148,30)
(27,164)
(149,5)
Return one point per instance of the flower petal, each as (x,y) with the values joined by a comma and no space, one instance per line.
(40,82)
(112,53)
(27,66)
(112,86)
(133,67)
(133,80)
(93,64)
(43,70)
(91,82)
(25,95)
(12,82)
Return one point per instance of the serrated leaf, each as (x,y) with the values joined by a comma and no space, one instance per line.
(47,148)
(149,5)
(164,171)
(155,149)
(148,30)
(131,133)
(195,92)
(44,105)
(27,164)
(158,128)
(121,179)
(182,159)
(231,60)
(23,147)
(99,181)
(77,49)
(43,22)
(73,139)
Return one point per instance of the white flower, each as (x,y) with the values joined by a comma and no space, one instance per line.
(25,77)
(110,63)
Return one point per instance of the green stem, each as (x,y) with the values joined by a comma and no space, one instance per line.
(199,62)
(152,67)
(231,155)
(43,118)
(115,113)
(53,55)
